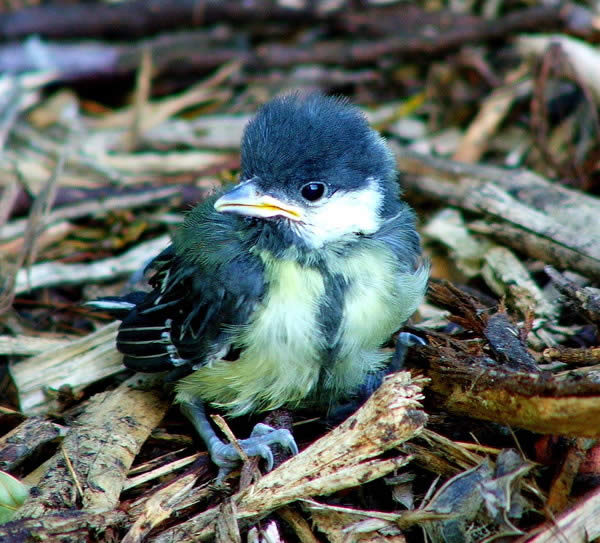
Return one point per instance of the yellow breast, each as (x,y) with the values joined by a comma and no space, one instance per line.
(378,301)
(280,347)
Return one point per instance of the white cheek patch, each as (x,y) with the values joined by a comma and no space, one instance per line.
(341,215)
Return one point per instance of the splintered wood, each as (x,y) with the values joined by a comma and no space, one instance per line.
(70,367)
(117,117)
(90,467)
(525,211)
(343,458)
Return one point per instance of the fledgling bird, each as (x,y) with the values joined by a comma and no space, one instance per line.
(282,291)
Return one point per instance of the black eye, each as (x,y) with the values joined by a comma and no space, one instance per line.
(312,191)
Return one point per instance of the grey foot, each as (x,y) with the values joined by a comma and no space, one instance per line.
(225,455)
(262,438)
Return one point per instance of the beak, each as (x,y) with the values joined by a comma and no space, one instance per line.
(246,199)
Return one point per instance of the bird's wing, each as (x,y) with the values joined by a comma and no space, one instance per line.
(400,235)
(206,284)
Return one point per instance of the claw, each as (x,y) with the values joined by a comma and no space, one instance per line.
(263,436)
(404,341)
(410,340)
(225,455)
(265,452)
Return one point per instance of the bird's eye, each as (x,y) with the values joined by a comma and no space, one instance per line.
(312,191)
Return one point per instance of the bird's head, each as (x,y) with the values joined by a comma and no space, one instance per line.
(313,173)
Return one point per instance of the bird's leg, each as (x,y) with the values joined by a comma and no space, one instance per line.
(374,380)
(225,455)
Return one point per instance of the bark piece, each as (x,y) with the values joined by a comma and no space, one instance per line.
(587,299)
(66,527)
(573,355)
(74,366)
(25,439)
(549,214)
(341,459)
(541,402)
(507,345)
(560,491)
(91,467)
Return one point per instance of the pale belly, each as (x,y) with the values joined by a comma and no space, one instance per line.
(282,351)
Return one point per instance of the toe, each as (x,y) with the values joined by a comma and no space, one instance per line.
(262,429)
(287,440)
(265,452)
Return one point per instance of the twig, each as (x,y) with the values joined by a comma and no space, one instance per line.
(101,448)
(71,470)
(99,204)
(35,223)
(132,482)
(50,273)
(144,17)
(140,102)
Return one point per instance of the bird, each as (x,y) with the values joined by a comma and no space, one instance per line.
(282,291)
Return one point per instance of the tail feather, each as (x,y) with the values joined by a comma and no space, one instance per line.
(118,306)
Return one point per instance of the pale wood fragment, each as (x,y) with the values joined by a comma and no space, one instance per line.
(466,250)
(579,525)
(30,345)
(75,365)
(548,213)
(15,229)
(343,458)
(492,111)
(101,447)
(345,524)
(580,55)
(200,494)
(165,163)
(51,235)
(299,524)
(49,274)
(132,482)
(503,272)
(506,275)
(159,507)
(540,248)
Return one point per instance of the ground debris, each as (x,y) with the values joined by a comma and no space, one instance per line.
(490,431)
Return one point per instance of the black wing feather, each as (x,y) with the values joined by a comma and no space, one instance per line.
(204,284)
